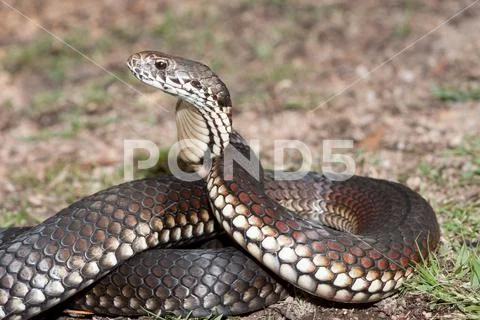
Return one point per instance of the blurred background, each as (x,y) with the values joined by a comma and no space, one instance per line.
(306,70)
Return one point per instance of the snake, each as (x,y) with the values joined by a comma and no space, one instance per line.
(119,251)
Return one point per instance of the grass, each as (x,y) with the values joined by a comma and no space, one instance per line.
(20,56)
(15,218)
(404,28)
(67,182)
(450,278)
(68,130)
(160,167)
(467,158)
(50,58)
(43,101)
(168,27)
(45,55)
(470,151)
(455,94)
(187,317)
(62,114)
(430,172)
(95,93)
(174,37)
(461,221)
(470,147)
(59,178)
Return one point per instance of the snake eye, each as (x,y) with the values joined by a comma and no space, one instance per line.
(160,65)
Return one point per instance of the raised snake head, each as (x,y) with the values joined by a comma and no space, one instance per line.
(188,80)
(203,111)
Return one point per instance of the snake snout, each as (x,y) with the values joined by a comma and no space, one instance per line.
(132,61)
(134,64)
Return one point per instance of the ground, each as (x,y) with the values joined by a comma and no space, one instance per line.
(397,77)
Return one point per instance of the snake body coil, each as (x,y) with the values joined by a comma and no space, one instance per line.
(366,237)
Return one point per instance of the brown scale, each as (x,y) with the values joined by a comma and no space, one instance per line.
(361,205)
(149,206)
(84,241)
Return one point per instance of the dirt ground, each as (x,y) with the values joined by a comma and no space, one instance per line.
(392,76)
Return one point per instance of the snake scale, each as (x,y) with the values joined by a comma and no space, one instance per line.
(351,241)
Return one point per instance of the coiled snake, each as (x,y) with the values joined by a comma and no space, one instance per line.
(366,237)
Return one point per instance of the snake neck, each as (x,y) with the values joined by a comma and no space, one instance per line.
(203,133)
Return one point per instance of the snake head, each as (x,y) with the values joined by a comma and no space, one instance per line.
(203,110)
(189,80)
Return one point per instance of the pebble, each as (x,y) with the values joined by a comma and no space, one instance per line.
(414,182)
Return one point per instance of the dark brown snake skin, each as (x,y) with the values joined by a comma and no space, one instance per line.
(161,281)
(367,238)
(178,281)
(390,229)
